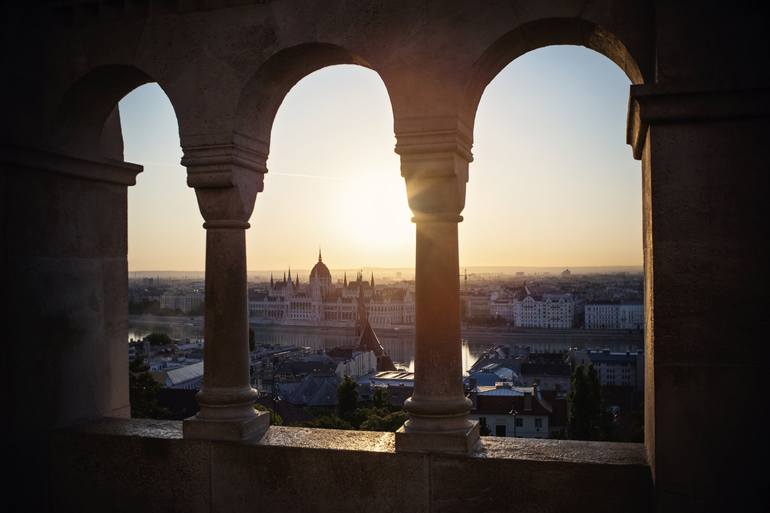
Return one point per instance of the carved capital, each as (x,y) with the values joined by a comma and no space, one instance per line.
(435,154)
(100,170)
(227,178)
(654,104)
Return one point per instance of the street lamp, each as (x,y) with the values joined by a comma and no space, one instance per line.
(513,413)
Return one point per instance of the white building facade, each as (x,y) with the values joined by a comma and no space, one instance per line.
(613,368)
(183,302)
(361,363)
(506,410)
(614,316)
(527,310)
(546,311)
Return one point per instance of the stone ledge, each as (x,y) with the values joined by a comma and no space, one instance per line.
(526,449)
(652,104)
(146,465)
(105,170)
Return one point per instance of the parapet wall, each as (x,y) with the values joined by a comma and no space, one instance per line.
(145,466)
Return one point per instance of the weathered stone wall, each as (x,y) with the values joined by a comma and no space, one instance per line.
(65,284)
(709,295)
(244,59)
(146,466)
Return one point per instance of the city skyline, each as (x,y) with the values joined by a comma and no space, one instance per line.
(337,272)
(563,191)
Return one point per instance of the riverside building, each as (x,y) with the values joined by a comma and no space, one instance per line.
(544,311)
(322,303)
(614,316)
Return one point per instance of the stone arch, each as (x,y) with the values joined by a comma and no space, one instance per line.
(90,103)
(264,92)
(538,34)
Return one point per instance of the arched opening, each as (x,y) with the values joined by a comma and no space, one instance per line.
(166,254)
(164,224)
(330,250)
(119,114)
(89,135)
(266,90)
(546,32)
(331,160)
(87,111)
(552,242)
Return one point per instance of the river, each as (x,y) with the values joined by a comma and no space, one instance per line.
(399,344)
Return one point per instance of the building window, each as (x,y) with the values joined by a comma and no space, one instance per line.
(500,430)
(538,423)
(519,422)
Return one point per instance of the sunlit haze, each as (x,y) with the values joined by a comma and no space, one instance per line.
(552,184)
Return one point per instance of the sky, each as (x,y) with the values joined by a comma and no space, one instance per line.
(553,182)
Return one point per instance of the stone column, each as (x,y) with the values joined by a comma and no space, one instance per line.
(66,286)
(705,230)
(226,179)
(435,166)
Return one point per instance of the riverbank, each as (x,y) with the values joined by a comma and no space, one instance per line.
(192,327)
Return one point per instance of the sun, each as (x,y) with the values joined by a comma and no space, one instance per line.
(375,211)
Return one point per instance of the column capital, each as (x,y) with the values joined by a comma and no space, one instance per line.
(420,136)
(226,176)
(100,170)
(435,153)
(437,218)
(665,104)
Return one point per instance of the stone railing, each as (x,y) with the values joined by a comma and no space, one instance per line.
(145,465)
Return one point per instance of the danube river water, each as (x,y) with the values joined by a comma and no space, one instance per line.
(399,344)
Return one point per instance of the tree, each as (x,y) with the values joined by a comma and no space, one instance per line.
(390,422)
(158,339)
(361,415)
(275,418)
(143,392)
(347,398)
(583,404)
(380,397)
(594,397)
(603,421)
(328,422)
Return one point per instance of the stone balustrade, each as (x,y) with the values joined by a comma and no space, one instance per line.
(146,465)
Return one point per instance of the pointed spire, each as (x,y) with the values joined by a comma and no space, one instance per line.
(319,254)
(372,282)
(272,283)
(296,280)
(362,316)
(289,273)
(284,276)
(345,279)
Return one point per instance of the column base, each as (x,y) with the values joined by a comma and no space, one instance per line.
(451,442)
(236,430)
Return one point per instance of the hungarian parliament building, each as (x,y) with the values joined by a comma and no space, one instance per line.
(319,302)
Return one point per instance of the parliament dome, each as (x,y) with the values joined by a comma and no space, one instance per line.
(320,271)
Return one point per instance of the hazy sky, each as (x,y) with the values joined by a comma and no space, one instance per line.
(552,184)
